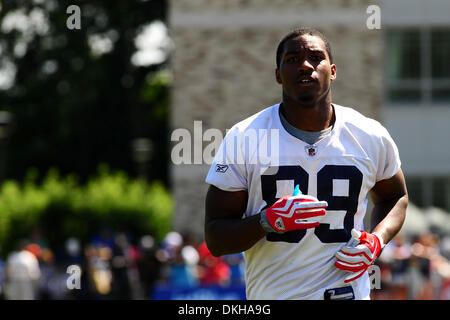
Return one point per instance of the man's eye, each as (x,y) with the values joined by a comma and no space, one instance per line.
(316,58)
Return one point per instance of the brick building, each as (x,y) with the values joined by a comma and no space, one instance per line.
(223,68)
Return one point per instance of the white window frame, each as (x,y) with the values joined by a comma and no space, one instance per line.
(425,83)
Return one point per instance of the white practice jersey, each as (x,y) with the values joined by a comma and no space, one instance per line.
(260,156)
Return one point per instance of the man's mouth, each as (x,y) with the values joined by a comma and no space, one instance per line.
(306,81)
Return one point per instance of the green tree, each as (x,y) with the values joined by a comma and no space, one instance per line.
(77,96)
(62,208)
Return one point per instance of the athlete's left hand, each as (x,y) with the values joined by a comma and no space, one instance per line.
(358,259)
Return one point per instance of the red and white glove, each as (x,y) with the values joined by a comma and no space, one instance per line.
(293,213)
(358,259)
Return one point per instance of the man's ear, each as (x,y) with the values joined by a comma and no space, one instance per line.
(277,76)
(333,72)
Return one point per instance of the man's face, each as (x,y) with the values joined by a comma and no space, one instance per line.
(305,70)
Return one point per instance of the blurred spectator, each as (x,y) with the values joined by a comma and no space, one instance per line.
(124,269)
(212,270)
(394,264)
(119,265)
(417,269)
(99,270)
(148,265)
(439,266)
(172,241)
(420,271)
(237,268)
(179,261)
(52,283)
(22,273)
(183,269)
(166,255)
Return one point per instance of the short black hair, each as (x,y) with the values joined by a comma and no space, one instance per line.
(300,32)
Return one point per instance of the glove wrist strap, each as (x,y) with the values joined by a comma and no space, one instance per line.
(380,238)
(265,223)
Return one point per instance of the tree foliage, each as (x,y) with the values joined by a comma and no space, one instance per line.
(61,208)
(74,107)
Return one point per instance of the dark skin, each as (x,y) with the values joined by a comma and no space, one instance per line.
(307,106)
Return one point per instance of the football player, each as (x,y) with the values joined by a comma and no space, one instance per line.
(308,244)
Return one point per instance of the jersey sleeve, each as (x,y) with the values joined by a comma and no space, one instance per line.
(228,171)
(389,159)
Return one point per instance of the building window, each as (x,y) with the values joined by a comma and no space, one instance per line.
(417,65)
(429,191)
(415,192)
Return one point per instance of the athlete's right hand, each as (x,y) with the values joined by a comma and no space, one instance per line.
(293,213)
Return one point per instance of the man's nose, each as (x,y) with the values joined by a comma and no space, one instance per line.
(306,65)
